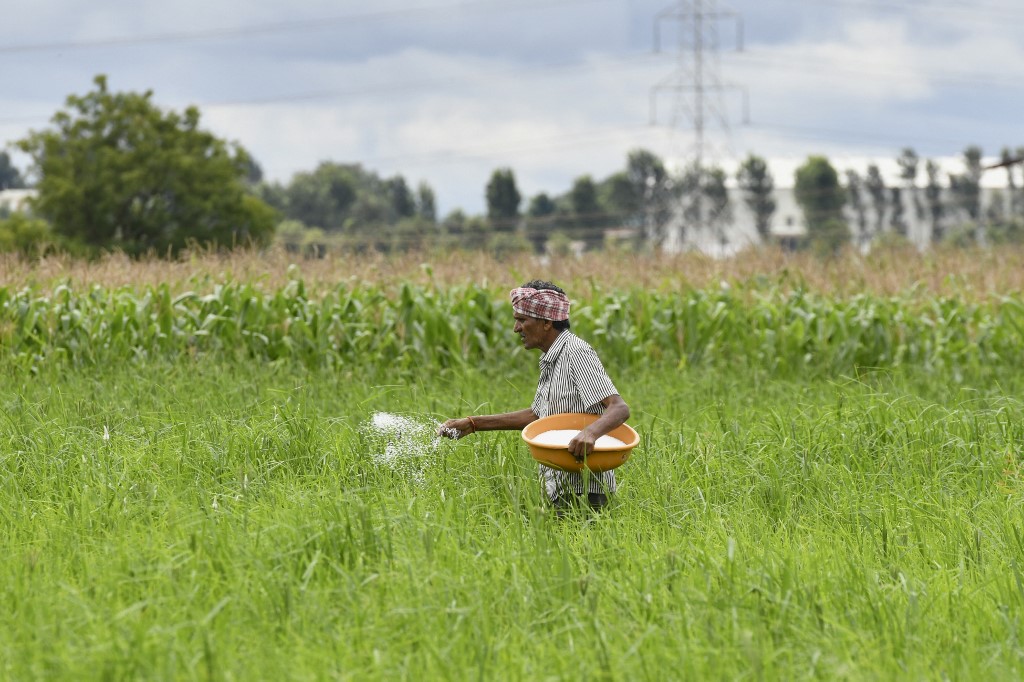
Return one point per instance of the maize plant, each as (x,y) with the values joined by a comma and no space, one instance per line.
(754,325)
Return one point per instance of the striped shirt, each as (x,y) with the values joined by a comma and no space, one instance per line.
(572,379)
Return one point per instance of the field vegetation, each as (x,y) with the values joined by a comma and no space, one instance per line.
(829,482)
(961,272)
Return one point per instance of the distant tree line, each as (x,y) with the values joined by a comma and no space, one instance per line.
(114,171)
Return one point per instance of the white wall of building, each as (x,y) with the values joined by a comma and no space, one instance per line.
(14,200)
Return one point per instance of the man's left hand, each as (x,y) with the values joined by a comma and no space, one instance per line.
(582,445)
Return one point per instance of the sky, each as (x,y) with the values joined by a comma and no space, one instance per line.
(446,91)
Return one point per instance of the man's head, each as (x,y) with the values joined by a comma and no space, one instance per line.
(541,312)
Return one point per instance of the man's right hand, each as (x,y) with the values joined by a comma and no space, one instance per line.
(455,428)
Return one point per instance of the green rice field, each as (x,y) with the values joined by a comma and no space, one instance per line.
(194,484)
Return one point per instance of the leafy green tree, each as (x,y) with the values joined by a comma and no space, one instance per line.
(908,162)
(539,220)
(588,217)
(875,185)
(933,200)
(706,201)
(642,196)
(25,235)
(10,177)
(966,187)
(463,232)
(503,200)
(719,207)
(1009,164)
(1017,198)
(855,192)
(403,204)
(117,171)
(821,198)
(542,205)
(426,203)
(897,218)
(322,198)
(371,212)
(758,185)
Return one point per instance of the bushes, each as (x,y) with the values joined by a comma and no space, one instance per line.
(28,236)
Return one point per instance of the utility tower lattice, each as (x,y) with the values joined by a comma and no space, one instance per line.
(698,96)
(695,82)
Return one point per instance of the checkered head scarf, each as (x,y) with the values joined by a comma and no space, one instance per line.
(543,303)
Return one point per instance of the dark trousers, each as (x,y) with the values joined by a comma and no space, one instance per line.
(595,501)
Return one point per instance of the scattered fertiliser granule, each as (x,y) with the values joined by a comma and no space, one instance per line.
(561,437)
(407,444)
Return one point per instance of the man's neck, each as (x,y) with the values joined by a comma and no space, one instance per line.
(550,341)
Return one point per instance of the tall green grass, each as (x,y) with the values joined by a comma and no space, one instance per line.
(226,520)
(757,325)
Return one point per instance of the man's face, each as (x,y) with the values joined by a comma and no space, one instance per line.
(531,330)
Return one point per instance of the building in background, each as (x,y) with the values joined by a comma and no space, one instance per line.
(15,200)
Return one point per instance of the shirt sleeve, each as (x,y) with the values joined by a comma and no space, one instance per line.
(589,376)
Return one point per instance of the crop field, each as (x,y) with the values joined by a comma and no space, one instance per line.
(208,471)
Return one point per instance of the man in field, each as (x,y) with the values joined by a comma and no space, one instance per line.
(572,379)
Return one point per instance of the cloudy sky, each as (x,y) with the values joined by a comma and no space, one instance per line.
(446,91)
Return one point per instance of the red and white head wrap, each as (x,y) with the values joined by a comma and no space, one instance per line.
(546,304)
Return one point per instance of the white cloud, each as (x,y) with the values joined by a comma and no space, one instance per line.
(447,91)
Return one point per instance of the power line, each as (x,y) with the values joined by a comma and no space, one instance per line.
(974,11)
(288,26)
(555,68)
(846,134)
(539,70)
(806,64)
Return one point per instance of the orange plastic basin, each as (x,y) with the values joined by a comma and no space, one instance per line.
(601,459)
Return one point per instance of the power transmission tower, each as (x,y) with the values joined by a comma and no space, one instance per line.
(696,86)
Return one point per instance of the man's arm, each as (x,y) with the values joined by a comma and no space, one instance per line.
(459,427)
(616,412)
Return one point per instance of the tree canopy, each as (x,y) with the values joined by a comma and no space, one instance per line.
(10,177)
(117,171)
(503,199)
(821,197)
(758,185)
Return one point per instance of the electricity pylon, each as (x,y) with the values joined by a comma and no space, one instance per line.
(696,84)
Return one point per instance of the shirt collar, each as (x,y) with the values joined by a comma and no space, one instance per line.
(556,348)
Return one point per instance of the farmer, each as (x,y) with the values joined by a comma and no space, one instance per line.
(572,379)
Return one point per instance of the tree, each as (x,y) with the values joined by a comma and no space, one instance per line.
(642,196)
(402,203)
(855,191)
(503,200)
(464,232)
(1009,164)
(322,198)
(538,220)
(1017,197)
(897,219)
(908,162)
(755,179)
(10,177)
(588,217)
(965,188)
(25,235)
(821,197)
(706,201)
(426,203)
(875,185)
(933,200)
(719,209)
(116,171)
